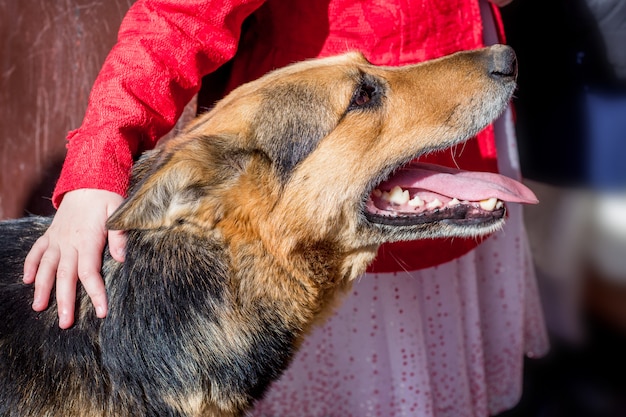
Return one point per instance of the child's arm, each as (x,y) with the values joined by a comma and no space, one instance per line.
(164,49)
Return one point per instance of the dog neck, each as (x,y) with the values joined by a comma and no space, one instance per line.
(224,323)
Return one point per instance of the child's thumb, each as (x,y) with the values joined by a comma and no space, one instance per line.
(117,244)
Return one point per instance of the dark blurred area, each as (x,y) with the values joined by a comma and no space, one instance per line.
(570,51)
(571,126)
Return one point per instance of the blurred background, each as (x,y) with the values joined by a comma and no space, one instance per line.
(571,124)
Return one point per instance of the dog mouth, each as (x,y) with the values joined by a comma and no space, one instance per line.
(420,193)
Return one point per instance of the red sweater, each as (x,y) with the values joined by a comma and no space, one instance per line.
(165,47)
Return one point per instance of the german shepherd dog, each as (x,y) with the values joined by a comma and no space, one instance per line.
(245,229)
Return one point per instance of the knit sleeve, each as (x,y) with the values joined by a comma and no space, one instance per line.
(164,49)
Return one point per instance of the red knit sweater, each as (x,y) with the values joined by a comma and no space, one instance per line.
(165,47)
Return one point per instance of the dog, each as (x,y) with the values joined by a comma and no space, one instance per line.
(245,230)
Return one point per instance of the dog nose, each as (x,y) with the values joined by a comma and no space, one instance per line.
(502,62)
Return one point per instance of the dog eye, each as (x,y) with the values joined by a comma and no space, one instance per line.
(365,95)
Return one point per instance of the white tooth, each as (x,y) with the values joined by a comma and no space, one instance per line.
(455,201)
(488,204)
(436,203)
(399,196)
(499,204)
(416,202)
(377,193)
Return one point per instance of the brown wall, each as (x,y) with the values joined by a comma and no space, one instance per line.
(50,54)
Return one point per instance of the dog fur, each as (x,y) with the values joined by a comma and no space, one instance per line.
(242,233)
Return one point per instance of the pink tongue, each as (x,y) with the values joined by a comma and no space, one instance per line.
(464,185)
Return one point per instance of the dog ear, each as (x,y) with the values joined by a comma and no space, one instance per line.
(157,201)
(172,184)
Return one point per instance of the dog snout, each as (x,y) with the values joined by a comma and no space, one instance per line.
(502,62)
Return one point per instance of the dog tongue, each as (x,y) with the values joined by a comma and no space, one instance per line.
(464,185)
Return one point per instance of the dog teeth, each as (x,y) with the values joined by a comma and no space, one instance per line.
(416,202)
(488,204)
(400,197)
(436,203)
(396,196)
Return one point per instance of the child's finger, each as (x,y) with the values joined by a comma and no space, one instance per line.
(89,263)
(67,277)
(31,263)
(45,277)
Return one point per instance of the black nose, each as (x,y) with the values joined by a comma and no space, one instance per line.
(502,62)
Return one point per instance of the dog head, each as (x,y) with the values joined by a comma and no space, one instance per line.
(317,157)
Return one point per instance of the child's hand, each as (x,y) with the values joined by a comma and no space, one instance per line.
(71,249)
